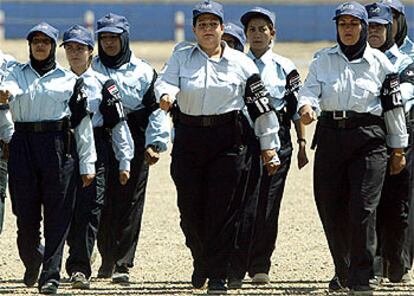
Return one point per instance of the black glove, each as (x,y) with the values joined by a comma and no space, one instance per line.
(78,104)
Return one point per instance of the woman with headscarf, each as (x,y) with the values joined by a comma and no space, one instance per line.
(46,102)
(111,133)
(393,209)
(356,93)
(124,204)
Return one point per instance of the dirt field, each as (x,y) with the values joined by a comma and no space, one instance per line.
(301,262)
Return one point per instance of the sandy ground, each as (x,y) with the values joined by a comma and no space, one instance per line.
(301,262)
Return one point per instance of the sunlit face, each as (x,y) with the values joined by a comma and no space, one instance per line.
(230,40)
(349,29)
(78,55)
(111,43)
(208,31)
(41,45)
(377,35)
(259,34)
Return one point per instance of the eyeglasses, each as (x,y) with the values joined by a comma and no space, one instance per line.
(45,41)
(207,25)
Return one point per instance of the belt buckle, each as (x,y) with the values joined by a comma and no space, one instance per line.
(37,127)
(206,121)
(339,115)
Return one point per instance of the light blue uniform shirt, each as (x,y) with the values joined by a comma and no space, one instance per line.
(36,98)
(133,80)
(401,61)
(212,86)
(408,47)
(334,83)
(273,70)
(7,63)
(122,142)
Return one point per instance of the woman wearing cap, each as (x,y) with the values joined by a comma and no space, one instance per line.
(78,43)
(211,83)
(282,81)
(234,36)
(400,28)
(122,214)
(351,85)
(392,211)
(43,156)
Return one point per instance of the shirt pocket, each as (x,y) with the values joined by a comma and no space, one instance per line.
(191,79)
(365,90)
(227,85)
(131,85)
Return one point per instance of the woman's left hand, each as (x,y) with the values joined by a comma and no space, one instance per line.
(87,179)
(397,162)
(302,157)
(269,157)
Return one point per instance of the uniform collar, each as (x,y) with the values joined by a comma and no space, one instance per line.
(407,42)
(368,54)
(227,54)
(57,68)
(393,52)
(266,58)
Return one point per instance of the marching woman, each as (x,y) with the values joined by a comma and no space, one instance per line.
(356,93)
(282,80)
(400,28)
(209,84)
(110,129)
(7,63)
(234,36)
(46,102)
(124,203)
(393,209)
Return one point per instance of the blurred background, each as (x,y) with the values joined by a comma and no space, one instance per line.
(300,20)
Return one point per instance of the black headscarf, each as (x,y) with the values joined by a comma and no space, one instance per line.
(357,50)
(389,41)
(121,58)
(42,67)
(402,29)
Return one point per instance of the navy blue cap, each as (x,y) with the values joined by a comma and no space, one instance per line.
(112,23)
(395,4)
(235,31)
(78,34)
(352,8)
(46,29)
(379,13)
(209,7)
(258,12)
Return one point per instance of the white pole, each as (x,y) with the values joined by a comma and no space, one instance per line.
(2,30)
(89,20)
(179,33)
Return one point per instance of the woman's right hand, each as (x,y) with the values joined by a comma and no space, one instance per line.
(307,115)
(166,103)
(4,96)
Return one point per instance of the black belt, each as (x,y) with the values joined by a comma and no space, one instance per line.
(101,132)
(42,126)
(348,119)
(206,120)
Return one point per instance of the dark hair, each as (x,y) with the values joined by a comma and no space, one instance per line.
(263,17)
(195,18)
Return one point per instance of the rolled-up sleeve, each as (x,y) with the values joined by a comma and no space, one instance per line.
(397,136)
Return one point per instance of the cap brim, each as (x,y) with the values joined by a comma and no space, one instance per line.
(110,30)
(38,31)
(74,40)
(348,13)
(251,14)
(377,21)
(201,11)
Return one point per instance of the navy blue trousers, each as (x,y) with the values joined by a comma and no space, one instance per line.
(87,213)
(120,225)
(207,167)
(41,175)
(349,171)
